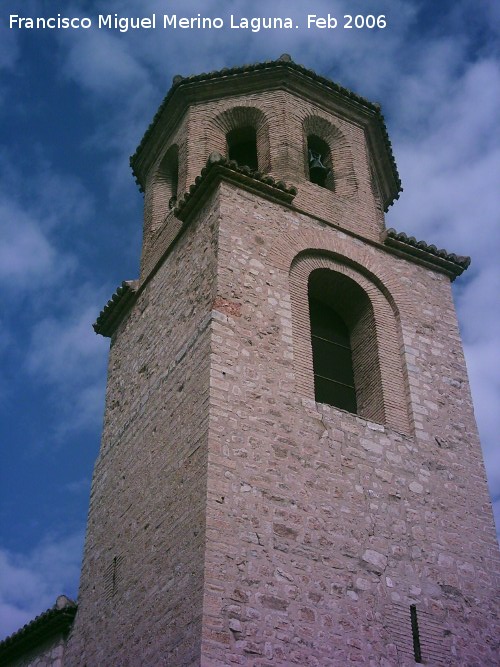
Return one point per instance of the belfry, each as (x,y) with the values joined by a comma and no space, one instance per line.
(290,471)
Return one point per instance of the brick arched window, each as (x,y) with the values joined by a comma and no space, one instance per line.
(354,297)
(166,184)
(323,138)
(242,146)
(242,134)
(344,346)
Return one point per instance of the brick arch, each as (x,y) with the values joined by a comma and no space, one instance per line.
(163,185)
(342,164)
(379,341)
(238,117)
(361,256)
(166,183)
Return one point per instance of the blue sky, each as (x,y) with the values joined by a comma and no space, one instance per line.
(73,107)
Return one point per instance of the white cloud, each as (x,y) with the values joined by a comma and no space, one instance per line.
(42,192)
(449,164)
(479,319)
(84,410)
(66,350)
(33,211)
(79,486)
(483,364)
(27,255)
(38,217)
(66,355)
(30,583)
(110,68)
(452,158)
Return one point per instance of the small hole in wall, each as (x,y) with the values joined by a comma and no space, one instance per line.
(415,634)
(112,577)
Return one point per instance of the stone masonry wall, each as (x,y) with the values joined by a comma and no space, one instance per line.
(323,528)
(140,600)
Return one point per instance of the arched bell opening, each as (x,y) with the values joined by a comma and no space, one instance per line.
(242,146)
(319,162)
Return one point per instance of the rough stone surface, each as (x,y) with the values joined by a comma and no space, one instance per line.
(142,579)
(363,519)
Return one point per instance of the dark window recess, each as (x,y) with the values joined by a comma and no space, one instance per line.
(168,177)
(318,155)
(174,182)
(242,146)
(332,357)
(415,633)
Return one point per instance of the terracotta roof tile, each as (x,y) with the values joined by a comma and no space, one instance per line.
(112,312)
(243,175)
(450,262)
(57,619)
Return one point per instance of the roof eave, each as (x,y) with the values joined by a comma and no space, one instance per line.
(220,168)
(53,622)
(427,254)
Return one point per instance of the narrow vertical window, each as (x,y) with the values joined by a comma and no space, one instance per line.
(242,146)
(174,180)
(166,185)
(332,357)
(319,162)
(112,577)
(415,633)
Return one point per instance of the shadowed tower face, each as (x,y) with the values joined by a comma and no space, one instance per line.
(290,472)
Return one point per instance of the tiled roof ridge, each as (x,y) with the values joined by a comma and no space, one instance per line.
(456,263)
(119,301)
(240,171)
(57,618)
(286,62)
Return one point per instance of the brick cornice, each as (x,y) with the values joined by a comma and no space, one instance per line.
(113,312)
(451,264)
(220,168)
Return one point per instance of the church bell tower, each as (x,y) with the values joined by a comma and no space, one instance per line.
(290,471)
